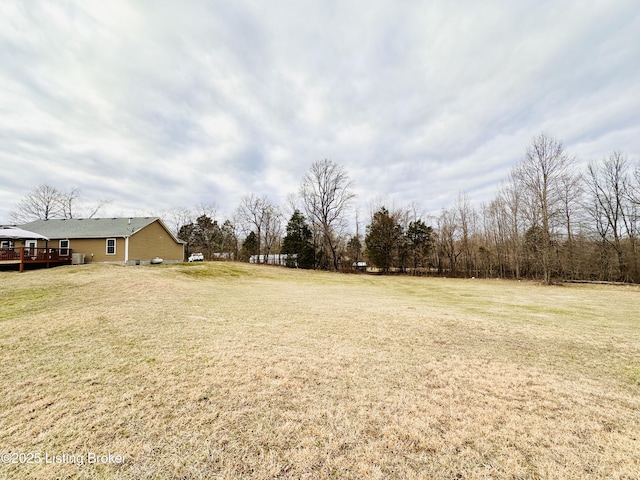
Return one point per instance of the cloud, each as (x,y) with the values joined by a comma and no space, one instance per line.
(160,104)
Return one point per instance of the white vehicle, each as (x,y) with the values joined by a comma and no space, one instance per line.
(196,257)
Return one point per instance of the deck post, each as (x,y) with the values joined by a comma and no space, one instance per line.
(21,259)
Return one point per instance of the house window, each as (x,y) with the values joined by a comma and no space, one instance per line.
(111,246)
(6,244)
(64,247)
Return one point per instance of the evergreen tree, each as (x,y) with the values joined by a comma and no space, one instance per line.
(419,242)
(186,234)
(354,250)
(249,246)
(207,236)
(382,240)
(229,240)
(298,242)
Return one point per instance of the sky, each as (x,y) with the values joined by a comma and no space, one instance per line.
(155,104)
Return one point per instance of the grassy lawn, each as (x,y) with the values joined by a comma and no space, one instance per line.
(225,370)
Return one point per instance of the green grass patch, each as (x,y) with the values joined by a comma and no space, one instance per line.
(213,270)
(633,372)
(23,302)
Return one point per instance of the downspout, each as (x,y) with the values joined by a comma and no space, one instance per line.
(126,250)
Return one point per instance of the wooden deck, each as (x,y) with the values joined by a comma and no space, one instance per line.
(47,257)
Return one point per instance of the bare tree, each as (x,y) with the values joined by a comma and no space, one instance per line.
(545,165)
(292,204)
(41,203)
(466,216)
(448,242)
(207,209)
(93,211)
(178,217)
(45,202)
(259,215)
(67,202)
(610,207)
(511,207)
(635,188)
(250,213)
(570,193)
(494,243)
(272,228)
(326,195)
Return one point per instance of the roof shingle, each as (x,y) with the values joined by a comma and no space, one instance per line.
(89,227)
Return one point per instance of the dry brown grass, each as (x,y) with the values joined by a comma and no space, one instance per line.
(236,371)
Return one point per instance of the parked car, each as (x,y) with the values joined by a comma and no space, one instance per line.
(196,257)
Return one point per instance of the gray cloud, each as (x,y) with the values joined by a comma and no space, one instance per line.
(158,104)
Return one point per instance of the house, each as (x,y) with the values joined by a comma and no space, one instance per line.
(19,247)
(133,241)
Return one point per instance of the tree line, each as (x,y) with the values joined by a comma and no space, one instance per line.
(548,220)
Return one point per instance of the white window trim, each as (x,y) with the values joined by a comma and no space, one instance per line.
(114,246)
(65,248)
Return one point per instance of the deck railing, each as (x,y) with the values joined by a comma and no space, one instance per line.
(24,255)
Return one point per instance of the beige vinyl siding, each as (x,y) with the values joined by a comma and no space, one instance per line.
(95,249)
(154,241)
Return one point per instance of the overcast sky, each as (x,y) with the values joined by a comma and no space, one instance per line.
(158,104)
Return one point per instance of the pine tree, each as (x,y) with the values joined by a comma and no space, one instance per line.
(382,240)
(298,242)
